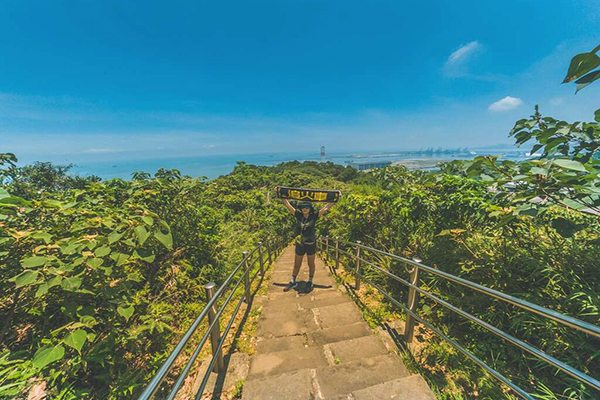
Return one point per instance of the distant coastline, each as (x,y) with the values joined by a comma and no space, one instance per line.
(213,166)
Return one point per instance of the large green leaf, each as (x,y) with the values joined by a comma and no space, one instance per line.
(581,64)
(95,262)
(47,355)
(76,339)
(25,278)
(570,164)
(54,281)
(142,234)
(119,258)
(165,238)
(115,237)
(102,251)
(126,312)
(71,284)
(148,220)
(42,290)
(45,236)
(35,261)
(145,255)
(586,80)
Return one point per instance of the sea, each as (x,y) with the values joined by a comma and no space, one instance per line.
(213,166)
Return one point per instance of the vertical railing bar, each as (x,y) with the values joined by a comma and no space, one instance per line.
(337,253)
(357,277)
(246,278)
(215,334)
(260,256)
(269,253)
(413,297)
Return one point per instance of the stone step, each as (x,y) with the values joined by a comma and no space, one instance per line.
(337,315)
(274,309)
(280,362)
(293,323)
(338,334)
(345,378)
(294,385)
(284,343)
(409,388)
(317,346)
(355,349)
(305,298)
(321,302)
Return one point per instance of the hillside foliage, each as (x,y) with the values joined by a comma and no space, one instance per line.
(98,280)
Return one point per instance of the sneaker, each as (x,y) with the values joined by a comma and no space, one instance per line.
(309,286)
(290,286)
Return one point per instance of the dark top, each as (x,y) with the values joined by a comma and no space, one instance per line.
(306,226)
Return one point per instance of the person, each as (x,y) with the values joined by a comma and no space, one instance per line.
(306,219)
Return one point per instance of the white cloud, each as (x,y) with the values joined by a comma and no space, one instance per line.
(464,52)
(505,104)
(458,63)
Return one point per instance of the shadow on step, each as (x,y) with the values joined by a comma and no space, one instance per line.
(302,287)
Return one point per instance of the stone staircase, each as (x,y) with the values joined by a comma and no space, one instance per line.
(318,346)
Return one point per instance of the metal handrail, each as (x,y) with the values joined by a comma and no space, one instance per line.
(164,370)
(454,344)
(524,346)
(198,349)
(221,342)
(558,317)
(569,321)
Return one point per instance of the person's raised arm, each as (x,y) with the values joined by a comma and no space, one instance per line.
(323,210)
(289,206)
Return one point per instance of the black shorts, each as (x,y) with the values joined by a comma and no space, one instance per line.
(308,249)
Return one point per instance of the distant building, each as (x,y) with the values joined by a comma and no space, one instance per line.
(364,165)
(322,153)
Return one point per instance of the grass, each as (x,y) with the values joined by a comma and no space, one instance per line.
(239,387)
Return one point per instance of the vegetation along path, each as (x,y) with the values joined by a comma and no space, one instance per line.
(318,346)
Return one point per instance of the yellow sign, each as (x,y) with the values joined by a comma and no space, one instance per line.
(307,195)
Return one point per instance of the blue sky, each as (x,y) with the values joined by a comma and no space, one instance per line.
(87,80)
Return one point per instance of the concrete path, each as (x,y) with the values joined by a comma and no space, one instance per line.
(318,346)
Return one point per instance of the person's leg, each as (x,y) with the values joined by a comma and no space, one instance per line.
(311,267)
(297,265)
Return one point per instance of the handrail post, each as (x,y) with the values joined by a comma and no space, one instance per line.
(337,252)
(215,334)
(357,280)
(260,256)
(246,278)
(269,251)
(413,299)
